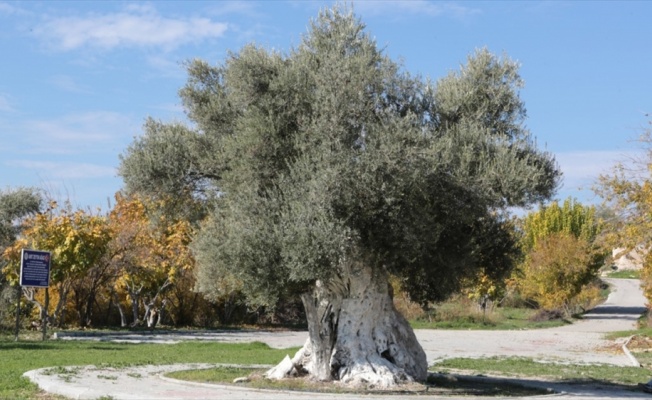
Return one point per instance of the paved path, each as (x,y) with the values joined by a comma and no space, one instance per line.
(581,342)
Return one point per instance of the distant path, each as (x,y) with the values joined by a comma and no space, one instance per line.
(581,342)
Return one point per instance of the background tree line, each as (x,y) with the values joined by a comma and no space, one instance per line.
(129,267)
(133,266)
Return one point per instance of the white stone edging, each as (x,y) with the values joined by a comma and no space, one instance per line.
(629,355)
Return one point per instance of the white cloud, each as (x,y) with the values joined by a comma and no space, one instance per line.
(10,9)
(136,26)
(84,127)
(98,132)
(167,67)
(414,7)
(68,84)
(63,170)
(78,151)
(5,105)
(235,7)
(582,168)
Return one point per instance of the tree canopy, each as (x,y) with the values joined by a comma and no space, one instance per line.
(333,154)
(571,218)
(627,192)
(16,204)
(562,254)
(76,239)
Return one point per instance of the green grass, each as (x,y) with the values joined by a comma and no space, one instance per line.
(502,318)
(625,274)
(19,357)
(633,332)
(524,367)
(644,357)
(641,343)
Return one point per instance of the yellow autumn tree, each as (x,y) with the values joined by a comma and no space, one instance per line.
(77,240)
(557,269)
(561,254)
(150,255)
(484,290)
(570,217)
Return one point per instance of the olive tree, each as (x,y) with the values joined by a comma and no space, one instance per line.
(329,168)
(15,205)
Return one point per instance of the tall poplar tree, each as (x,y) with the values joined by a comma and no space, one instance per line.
(562,254)
(329,168)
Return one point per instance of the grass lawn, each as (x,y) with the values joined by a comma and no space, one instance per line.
(22,356)
(524,367)
(465,383)
(645,332)
(625,274)
(19,357)
(502,318)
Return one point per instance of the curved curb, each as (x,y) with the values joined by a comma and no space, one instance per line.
(629,354)
(182,389)
(529,383)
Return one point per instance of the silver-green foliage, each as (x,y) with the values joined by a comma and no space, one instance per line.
(332,153)
(16,204)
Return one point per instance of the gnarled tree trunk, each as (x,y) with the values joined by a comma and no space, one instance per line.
(356,335)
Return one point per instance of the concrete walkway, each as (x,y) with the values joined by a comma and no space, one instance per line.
(581,342)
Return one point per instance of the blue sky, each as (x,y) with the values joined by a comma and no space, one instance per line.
(78,78)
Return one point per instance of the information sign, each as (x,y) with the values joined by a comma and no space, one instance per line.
(35,268)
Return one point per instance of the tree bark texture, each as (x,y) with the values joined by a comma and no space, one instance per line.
(123,317)
(356,336)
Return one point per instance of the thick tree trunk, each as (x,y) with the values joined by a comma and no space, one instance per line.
(356,335)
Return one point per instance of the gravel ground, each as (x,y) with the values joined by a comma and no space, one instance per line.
(582,342)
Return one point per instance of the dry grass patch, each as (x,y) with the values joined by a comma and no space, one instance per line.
(437,384)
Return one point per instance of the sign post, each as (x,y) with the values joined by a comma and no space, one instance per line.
(34,272)
(18,293)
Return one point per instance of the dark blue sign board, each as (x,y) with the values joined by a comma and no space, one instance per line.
(35,268)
